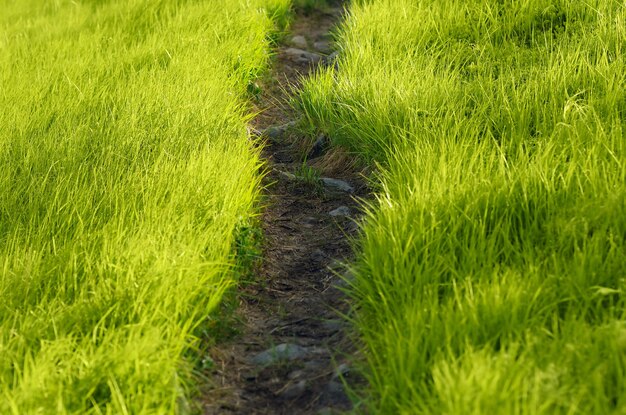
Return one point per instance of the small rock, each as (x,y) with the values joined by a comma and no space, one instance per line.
(294,390)
(351,227)
(310,222)
(303,56)
(336,184)
(336,265)
(349,276)
(341,371)
(334,387)
(276,132)
(281,353)
(335,395)
(287,175)
(340,283)
(319,147)
(299,42)
(322,46)
(331,59)
(340,211)
(345,281)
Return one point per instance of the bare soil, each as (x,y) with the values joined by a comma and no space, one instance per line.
(296,298)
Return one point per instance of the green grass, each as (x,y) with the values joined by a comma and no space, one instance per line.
(125,173)
(492,266)
(309,177)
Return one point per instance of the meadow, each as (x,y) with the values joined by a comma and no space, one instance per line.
(491,269)
(126,176)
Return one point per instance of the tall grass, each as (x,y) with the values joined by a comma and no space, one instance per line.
(491,272)
(125,172)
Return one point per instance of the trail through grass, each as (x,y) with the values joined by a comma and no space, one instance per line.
(125,172)
(492,269)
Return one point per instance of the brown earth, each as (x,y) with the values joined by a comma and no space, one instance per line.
(296,299)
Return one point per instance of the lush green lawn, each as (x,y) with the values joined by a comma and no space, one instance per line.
(492,268)
(125,172)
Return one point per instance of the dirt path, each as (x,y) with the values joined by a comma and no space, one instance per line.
(293,354)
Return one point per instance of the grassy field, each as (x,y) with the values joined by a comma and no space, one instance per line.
(492,267)
(125,175)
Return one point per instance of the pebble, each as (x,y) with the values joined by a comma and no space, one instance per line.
(310,222)
(341,371)
(349,275)
(303,56)
(331,60)
(344,281)
(276,132)
(299,42)
(335,395)
(336,184)
(336,265)
(335,388)
(282,352)
(322,46)
(351,227)
(340,211)
(294,390)
(287,175)
(319,147)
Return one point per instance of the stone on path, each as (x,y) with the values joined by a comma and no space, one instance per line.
(332,59)
(303,56)
(287,175)
(351,227)
(282,353)
(319,147)
(336,184)
(346,280)
(335,395)
(341,371)
(322,46)
(340,211)
(276,132)
(294,390)
(299,42)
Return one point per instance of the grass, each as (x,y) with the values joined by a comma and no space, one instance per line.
(118,220)
(491,270)
(308,176)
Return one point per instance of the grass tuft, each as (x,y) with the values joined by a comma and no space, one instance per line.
(490,275)
(117,217)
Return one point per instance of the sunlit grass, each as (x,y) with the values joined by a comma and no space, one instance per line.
(492,266)
(125,172)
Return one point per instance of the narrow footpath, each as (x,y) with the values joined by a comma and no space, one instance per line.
(293,355)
